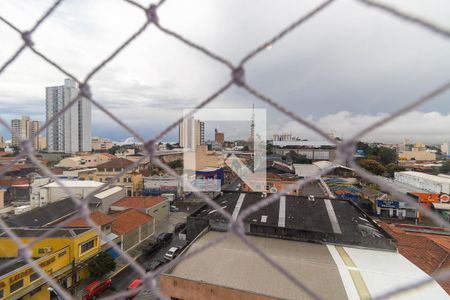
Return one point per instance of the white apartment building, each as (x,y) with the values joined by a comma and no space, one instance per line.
(70,132)
(23,129)
(191,133)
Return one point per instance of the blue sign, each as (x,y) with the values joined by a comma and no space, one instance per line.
(388,204)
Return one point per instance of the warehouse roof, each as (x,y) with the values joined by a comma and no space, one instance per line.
(425,176)
(75,184)
(399,186)
(116,163)
(301,218)
(45,215)
(322,268)
(37,232)
(108,192)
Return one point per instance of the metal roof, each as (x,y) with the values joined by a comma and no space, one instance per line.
(108,192)
(439,179)
(320,220)
(76,183)
(328,270)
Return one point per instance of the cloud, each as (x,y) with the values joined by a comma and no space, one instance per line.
(428,127)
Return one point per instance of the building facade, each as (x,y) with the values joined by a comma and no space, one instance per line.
(70,132)
(101,144)
(191,133)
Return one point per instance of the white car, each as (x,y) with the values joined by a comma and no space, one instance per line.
(172,253)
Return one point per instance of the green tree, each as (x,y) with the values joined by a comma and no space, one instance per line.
(297,158)
(176,164)
(101,265)
(392,168)
(372,166)
(387,156)
(445,168)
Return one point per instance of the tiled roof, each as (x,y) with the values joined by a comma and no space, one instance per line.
(109,155)
(98,217)
(11,181)
(117,163)
(421,251)
(128,220)
(139,202)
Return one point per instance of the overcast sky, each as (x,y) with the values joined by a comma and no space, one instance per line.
(345,68)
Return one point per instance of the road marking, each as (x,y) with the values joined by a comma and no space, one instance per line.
(282,212)
(237,208)
(344,272)
(333,219)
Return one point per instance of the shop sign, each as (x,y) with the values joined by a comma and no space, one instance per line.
(388,203)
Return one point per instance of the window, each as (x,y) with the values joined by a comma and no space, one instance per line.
(16,285)
(87,246)
(62,254)
(34,277)
(1,293)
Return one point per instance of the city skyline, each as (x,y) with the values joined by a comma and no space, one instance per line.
(329,70)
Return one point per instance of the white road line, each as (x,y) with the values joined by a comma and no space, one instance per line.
(282,212)
(237,208)
(334,221)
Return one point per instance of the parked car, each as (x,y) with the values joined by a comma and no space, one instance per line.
(172,253)
(152,247)
(95,288)
(134,285)
(155,265)
(164,238)
(173,208)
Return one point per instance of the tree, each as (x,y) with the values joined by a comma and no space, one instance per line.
(445,168)
(169,146)
(297,158)
(372,166)
(392,168)
(101,265)
(387,156)
(269,149)
(176,164)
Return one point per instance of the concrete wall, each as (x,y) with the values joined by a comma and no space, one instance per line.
(159,212)
(130,239)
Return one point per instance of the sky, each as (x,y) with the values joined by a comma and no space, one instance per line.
(344,69)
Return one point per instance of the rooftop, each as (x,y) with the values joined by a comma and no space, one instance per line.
(399,186)
(128,220)
(320,220)
(108,192)
(435,178)
(37,232)
(116,163)
(322,268)
(75,183)
(98,217)
(139,202)
(45,215)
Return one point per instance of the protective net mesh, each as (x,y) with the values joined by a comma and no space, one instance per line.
(345,150)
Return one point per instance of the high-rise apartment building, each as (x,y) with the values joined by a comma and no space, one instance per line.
(15,132)
(70,132)
(191,133)
(23,129)
(35,126)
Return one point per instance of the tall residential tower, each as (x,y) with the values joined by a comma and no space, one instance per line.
(70,132)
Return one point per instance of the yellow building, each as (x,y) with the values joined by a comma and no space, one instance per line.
(132,181)
(417,154)
(63,255)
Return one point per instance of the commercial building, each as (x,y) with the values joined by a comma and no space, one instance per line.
(103,200)
(312,150)
(331,246)
(274,183)
(157,185)
(131,181)
(417,154)
(155,206)
(54,191)
(63,255)
(101,144)
(71,132)
(191,133)
(427,182)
